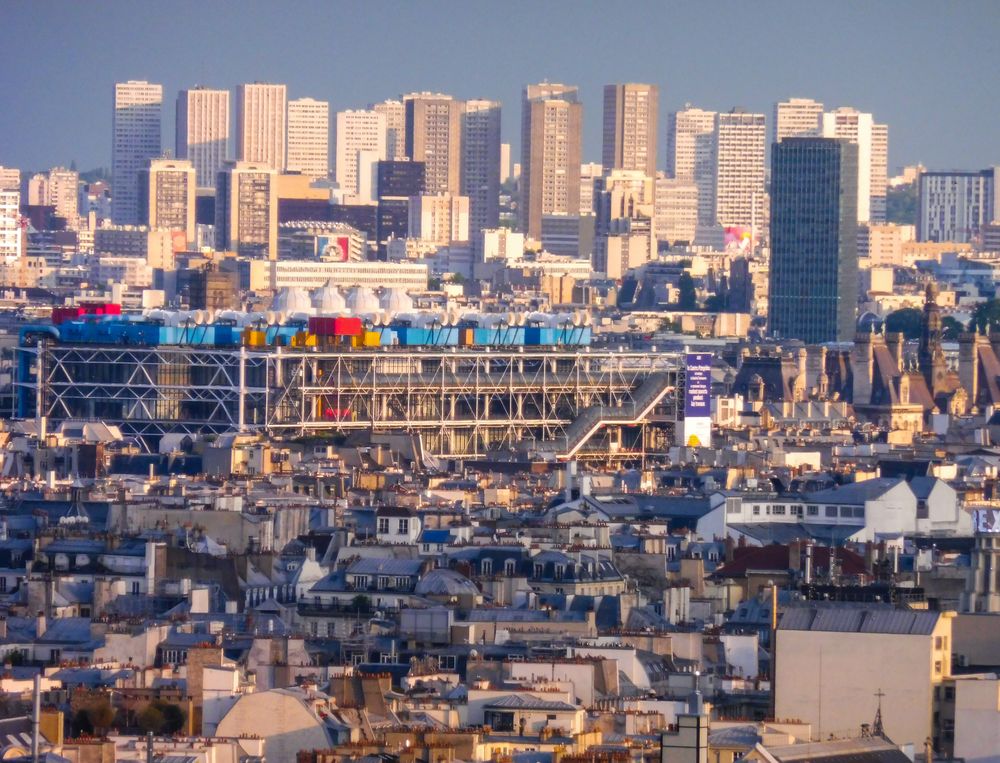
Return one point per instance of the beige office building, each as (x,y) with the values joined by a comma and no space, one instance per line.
(739,176)
(439,218)
(11,234)
(246,210)
(630,122)
(551,148)
(260,124)
(395,128)
(359,133)
(167,197)
(691,155)
(881,244)
(309,137)
(202,131)
(797,118)
(434,137)
(873,155)
(136,140)
(676,210)
(58,188)
(10,179)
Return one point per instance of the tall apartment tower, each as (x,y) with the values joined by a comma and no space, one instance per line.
(10,225)
(797,118)
(691,155)
(434,137)
(246,210)
(395,128)
(202,132)
(260,124)
(481,164)
(740,146)
(630,124)
(551,147)
(62,192)
(136,140)
(872,141)
(359,133)
(814,249)
(167,196)
(308,137)
(10,179)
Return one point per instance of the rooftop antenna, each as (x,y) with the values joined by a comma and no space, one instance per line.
(877,729)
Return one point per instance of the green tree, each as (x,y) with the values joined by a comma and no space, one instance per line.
(173,717)
(82,723)
(909,321)
(901,205)
(687,299)
(151,719)
(951,327)
(986,316)
(715,304)
(102,716)
(361,603)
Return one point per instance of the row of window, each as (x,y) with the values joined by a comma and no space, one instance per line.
(780,510)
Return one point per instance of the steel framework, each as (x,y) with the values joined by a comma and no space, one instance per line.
(462,402)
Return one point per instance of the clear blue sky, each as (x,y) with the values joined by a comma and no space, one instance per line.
(930,69)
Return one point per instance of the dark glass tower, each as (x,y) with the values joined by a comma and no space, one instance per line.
(814,251)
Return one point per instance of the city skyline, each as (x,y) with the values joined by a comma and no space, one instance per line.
(777,61)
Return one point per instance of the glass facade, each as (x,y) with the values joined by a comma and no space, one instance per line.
(814,257)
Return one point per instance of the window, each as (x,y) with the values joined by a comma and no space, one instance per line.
(383,581)
(779,511)
(937,667)
(135,586)
(797,511)
(539,570)
(383,524)
(949,693)
(509,568)
(859,512)
(846,511)
(560,571)
(756,511)
(3,584)
(360,581)
(831,511)
(403,527)
(486,567)
(922,509)
(812,511)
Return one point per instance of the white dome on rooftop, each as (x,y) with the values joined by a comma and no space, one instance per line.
(328,299)
(396,300)
(361,299)
(292,300)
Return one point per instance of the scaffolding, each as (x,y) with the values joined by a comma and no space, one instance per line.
(461,402)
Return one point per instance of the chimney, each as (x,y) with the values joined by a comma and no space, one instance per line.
(808,572)
(795,556)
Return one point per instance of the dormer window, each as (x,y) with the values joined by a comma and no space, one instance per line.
(560,571)
(509,568)
(486,567)
(383,524)
(539,569)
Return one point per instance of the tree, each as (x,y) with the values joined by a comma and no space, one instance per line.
(102,716)
(986,316)
(909,322)
(901,205)
(151,719)
(950,328)
(687,299)
(361,603)
(82,723)
(173,717)
(715,304)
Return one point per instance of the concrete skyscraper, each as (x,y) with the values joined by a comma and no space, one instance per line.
(395,128)
(246,210)
(202,131)
(136,140)
(797,118)
(359,133)
(308,137)
(167,196)
(740,146)
(691,155)
(630,123)
(481,164)
(814,254)
(260,124)
(434,137)
(872,141)
(551,147)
